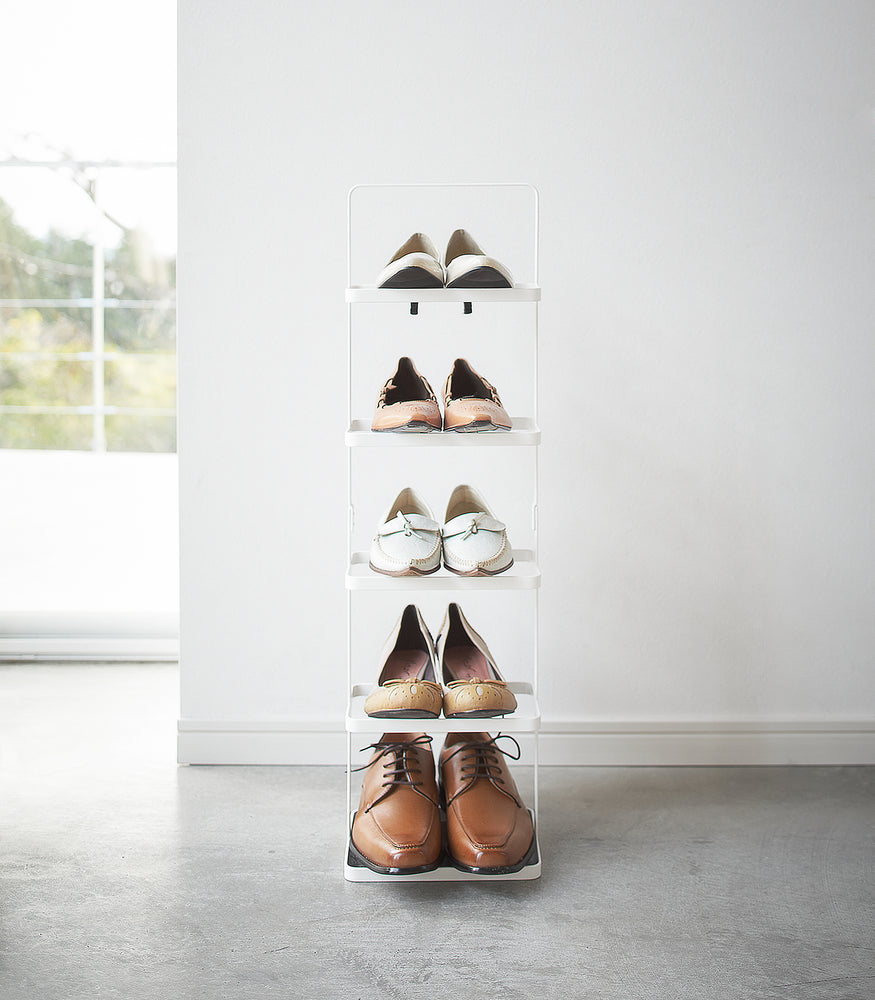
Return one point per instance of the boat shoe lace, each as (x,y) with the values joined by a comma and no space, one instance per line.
(480,760)
(400,766)
(469,524)
(410,524)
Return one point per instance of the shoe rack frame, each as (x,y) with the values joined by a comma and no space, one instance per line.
(523,575)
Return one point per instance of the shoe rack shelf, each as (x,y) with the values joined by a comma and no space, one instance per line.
(368,293)
(524,432)
(523,575)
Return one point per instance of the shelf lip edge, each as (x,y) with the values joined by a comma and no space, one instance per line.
(522,292)
(441,582)
(525,574)
(526,725)
(525,433)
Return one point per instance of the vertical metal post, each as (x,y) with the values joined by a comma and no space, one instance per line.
(348,819)
(98,428)
(349,527)
(536,671)
(536,780)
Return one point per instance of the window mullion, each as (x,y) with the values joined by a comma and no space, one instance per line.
(98,437)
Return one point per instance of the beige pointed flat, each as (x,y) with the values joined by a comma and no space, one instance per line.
(407,687)
(468,266)
(415,264)
(474,687)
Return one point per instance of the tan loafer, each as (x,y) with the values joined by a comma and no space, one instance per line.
(397,829)
(468,266)
(406,402)
(471,403)
(474,687)
(407,685)
(489,830)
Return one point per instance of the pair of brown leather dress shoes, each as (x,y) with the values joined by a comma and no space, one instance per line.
(398,828)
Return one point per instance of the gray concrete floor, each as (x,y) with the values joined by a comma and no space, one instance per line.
(124,875)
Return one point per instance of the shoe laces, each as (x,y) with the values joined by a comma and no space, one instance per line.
(480,759)
(474,526)
(493,390)
(390,386)
(383,392)
(450,397)
(411,529)
(400,766)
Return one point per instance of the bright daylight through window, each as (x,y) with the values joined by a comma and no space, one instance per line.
(88,329)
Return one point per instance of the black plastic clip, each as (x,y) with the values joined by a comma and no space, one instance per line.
(468,308)
(414,308)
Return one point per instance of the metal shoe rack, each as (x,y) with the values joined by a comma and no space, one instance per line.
(524,575)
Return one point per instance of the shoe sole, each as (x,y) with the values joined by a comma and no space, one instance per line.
(404,572)
(480,713)
(355,858)
(481,277)
(479,572)
(412,277)
(478,425)
(403,713)
(412,426)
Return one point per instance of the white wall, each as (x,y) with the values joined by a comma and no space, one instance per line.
(708,352)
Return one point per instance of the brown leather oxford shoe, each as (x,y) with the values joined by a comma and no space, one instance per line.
(489,830)
(397,829)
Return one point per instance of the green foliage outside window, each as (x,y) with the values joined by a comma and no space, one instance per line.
(40,345)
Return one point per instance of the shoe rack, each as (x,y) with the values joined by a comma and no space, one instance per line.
(523,576)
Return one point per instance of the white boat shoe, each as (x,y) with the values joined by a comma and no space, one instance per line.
(408,542)
(415,265)
(407,686)
(469,267)
(474,541)
(474,687)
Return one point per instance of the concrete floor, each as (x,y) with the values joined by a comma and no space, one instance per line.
(126,876)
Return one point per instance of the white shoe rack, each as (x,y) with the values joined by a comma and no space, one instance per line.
(418,451)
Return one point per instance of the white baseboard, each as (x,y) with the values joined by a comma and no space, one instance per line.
(88,636)
(586,743)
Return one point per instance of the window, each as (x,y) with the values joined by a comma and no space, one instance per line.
(88,331)
(87,321)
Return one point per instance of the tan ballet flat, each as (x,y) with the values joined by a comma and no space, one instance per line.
(474,687)
(407,687)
